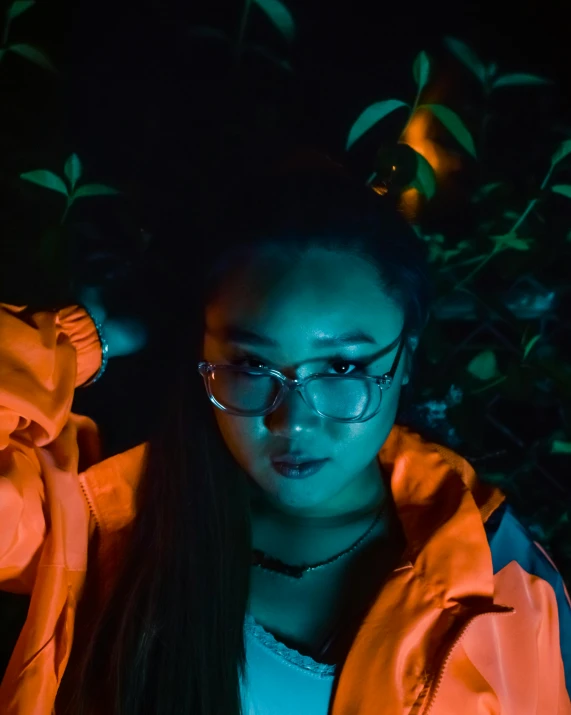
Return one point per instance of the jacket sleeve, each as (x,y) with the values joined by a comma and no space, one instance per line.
(44,519)
(510,541)
(551,574)
(44,356)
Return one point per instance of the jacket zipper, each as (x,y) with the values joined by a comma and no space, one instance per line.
(420,708)
(89,502)
(417,707)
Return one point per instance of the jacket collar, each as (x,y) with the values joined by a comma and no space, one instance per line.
(444,579)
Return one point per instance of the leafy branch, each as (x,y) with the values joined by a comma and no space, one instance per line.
(73,171)
(274,10)
(281,18)
(483,367)
(487,74)
(510,239)
(29,52)
(424,179)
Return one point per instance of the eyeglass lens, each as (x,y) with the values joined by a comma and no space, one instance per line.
(334,396)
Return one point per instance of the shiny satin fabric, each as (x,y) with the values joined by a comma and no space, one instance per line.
(445,634)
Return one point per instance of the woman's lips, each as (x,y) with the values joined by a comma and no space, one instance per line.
(299,471)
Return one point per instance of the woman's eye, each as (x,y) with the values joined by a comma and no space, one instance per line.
(359,366)
(240,362)
(340,367)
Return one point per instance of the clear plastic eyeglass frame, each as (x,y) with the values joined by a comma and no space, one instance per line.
(383,381)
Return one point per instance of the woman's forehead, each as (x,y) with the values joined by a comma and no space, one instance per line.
(317,299)
(267,274)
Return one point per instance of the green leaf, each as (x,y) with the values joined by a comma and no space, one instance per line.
(563,189)
(484,366)
(563,150)
(467,56)
(371,178)
(560,447)
(34,55)
(491,71)
(73,170)
(513,80)
(94,190)
(421,70)
(47,179)
(424,180)
(370,116)
(280,16)
(454,124)
(510,240)
(530,345)
(18,7)
(485,190)
(488,188)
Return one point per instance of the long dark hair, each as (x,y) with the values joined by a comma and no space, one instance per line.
(170,639)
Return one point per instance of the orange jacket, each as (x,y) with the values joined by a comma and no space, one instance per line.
(449,632)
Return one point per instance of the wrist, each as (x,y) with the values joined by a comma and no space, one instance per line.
(104,348)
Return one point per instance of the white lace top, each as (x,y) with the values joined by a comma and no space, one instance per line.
(280,680)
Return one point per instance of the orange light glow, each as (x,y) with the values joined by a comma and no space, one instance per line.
(410,203)
(416,136)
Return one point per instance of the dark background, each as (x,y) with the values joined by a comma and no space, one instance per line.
(133,66)
(146,98)
(141,100)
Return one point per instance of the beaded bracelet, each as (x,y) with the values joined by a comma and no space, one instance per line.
(104,349)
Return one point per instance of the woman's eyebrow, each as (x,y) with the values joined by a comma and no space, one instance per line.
(237,334)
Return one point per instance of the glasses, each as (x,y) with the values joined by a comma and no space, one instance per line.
(254,392)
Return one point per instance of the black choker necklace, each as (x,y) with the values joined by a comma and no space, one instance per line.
(268,563)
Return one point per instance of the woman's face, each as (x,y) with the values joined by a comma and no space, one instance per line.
(294,305)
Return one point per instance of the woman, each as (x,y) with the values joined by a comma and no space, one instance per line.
(281,544)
